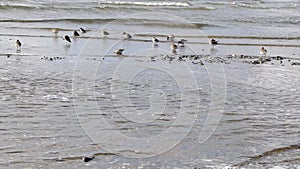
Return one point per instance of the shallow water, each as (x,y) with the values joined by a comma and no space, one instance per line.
(145,110)
(45,123)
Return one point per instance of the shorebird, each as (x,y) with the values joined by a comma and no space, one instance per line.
(104,33)
(126,35)
(155,40)
(55,30)
(170,37)
(87,159)
(18,45)
(75,33)
(173,46)
(119,51)
(213,42)
(68,40)
(82,30)
(263,51)
(180,43)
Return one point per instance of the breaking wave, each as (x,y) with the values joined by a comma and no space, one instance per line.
(147,3)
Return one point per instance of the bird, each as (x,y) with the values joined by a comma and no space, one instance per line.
(170,37)
(126,35)
(82,30)
(18,44)
(263,51)
(173,46)
(75,33)
(87,159)
(55,30)
(68,40)
(119,51)
(213,42)
(104,33)
(155,40)
(180,43)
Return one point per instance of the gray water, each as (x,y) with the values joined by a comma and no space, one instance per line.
(142,110)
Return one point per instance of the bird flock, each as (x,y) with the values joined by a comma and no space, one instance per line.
(126,36)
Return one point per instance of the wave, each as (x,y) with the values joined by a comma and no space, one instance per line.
(111,4)
(202,8)
(125,6)
(147,3)
(60,5)
(104,5)
(18,6)
(74,20)
(282,20)
(278,151)
(130,21)
(255,4)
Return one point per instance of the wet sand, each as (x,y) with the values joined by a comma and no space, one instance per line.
(38,81)
(92,44)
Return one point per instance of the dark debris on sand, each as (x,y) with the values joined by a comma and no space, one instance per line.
(49,58)
(201,60)
(206,59)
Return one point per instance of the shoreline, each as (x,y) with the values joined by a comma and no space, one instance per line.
(192,58)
